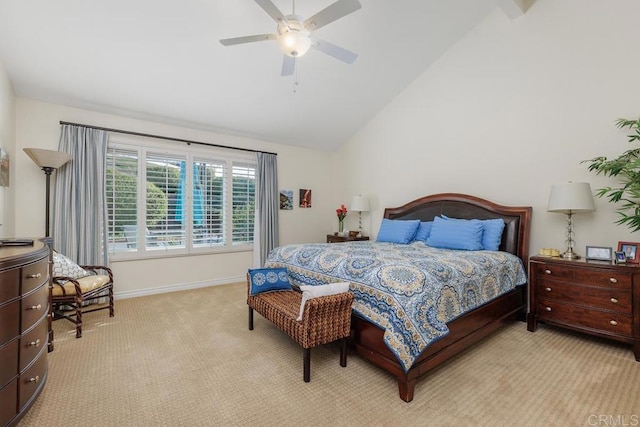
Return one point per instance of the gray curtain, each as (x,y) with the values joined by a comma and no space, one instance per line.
(79,201)
(267,204)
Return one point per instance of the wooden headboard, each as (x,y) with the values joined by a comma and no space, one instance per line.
(515,238)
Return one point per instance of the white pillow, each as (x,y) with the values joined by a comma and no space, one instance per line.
(309,292)
(63,266)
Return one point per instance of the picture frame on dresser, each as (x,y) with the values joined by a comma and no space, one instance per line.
(620,257)
(598,253)
(631,251)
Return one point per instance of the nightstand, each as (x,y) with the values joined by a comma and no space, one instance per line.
(596,298)
(331,238)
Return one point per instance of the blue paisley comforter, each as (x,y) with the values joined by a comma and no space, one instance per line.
(410,291)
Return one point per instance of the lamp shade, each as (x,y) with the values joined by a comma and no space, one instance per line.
(572,197)
(47,158)
(360,204)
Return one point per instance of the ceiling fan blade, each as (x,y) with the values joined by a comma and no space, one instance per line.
(331,13)
(288,65)
(272,10)
(247,39)
(337,52)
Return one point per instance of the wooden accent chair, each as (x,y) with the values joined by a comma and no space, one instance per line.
(68,295)
(325,319)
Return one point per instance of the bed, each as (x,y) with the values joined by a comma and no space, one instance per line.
(394,324)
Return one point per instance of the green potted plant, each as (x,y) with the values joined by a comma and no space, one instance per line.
(626,168)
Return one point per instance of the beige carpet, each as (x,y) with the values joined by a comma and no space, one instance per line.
(188,359)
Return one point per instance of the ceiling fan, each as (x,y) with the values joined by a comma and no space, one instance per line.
(294,33)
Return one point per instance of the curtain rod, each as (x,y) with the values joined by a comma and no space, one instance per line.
(149,135)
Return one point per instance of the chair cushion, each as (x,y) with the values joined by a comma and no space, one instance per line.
(88,283)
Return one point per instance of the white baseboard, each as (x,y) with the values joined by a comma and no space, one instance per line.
(177,287)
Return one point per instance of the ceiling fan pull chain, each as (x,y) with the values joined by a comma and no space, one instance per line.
(295,75)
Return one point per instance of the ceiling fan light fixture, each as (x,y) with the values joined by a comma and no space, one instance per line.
(294,43)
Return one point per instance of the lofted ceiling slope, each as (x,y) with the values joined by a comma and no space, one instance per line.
(161,60)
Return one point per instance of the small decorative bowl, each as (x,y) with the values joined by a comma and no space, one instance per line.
(353,233)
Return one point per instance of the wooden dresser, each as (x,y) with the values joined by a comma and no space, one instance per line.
(24,306)
(593,297)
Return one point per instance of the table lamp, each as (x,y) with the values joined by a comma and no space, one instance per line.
(569,199)
(360,204)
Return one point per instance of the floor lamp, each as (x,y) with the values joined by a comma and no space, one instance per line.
(569,199)
(48,161)
(360,204)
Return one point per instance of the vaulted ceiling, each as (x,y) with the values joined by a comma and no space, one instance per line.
(161,60)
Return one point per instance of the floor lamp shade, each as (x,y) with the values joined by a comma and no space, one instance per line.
(569,199)
(48,161)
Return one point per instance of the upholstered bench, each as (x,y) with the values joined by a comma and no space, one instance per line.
(324,319)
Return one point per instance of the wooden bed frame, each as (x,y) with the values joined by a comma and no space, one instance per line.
(367,338)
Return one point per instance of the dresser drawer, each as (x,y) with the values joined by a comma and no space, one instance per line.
(34,306)
(581,317)
(8,362)
(32,379)
(613,299)
(9,285)
(8,402)
(9,321)
(34,275)
(32,342)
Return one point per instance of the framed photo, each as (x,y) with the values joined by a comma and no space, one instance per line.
(598,253)
(620,257)
(630,250)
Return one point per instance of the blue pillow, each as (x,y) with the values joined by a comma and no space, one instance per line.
(397,231)
(492,235)
(423,231)
(491,232)
(465,235)
(267,280)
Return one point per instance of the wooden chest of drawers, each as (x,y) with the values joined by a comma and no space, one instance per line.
(597,298)
(24,306)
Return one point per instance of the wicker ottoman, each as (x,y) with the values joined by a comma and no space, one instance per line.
(325,319)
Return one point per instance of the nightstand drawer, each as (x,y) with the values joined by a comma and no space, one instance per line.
(584,275)
(554,271)
(581,317)
(602,278)
(607,299)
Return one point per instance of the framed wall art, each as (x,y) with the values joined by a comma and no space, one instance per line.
(286,200)
(305,198)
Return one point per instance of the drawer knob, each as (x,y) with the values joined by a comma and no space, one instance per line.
(548,308)
(547,289)
(35,343)
(35,379)
(35,307)
(613,280)
(614,323)
(547,271)
(614,300)
(34,276)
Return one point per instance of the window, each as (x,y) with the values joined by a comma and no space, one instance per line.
(163,200)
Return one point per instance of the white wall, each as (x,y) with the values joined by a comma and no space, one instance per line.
(7,142)
(37,125)
(511,110)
